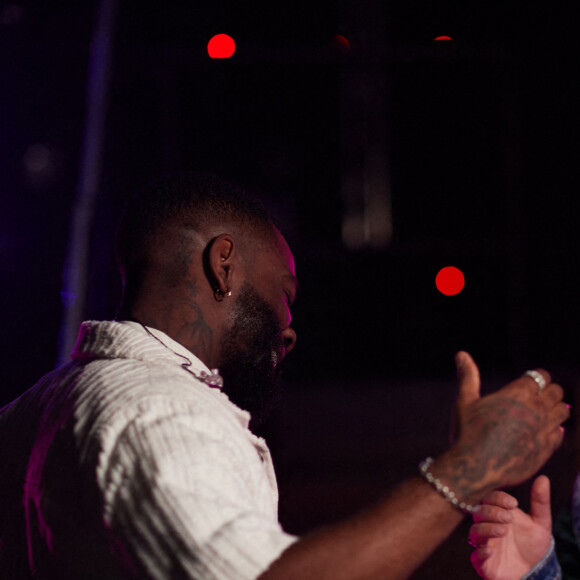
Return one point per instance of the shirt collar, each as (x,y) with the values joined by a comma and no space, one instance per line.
(132,340)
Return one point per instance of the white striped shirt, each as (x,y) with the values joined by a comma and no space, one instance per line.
(123,464)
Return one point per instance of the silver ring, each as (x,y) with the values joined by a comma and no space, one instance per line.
(538,377)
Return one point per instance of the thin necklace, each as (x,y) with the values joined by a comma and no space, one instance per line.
(212,379)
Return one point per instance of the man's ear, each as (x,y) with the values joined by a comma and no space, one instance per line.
(219,263)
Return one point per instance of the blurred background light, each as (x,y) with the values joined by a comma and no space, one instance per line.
(342,42)
(11,14)
(221,46)
(41,164)
(450,281)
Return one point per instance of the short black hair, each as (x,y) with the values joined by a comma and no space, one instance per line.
(191,198)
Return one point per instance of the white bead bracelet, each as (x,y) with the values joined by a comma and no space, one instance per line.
(444,489)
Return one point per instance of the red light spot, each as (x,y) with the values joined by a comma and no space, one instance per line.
(450,281)
(221,46)
(342,42)
(443,39)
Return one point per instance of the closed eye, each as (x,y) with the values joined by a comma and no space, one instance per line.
(291,292)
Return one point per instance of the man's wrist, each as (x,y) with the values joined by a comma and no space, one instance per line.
(547,568)
(461,473)
(445,490)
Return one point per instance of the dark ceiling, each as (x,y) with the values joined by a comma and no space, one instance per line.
(479,138)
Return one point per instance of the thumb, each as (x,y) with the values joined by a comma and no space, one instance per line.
(468,378)
(540,510)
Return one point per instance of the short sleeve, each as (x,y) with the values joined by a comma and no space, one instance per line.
(187,497)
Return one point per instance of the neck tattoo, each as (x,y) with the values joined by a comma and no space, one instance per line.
(212,379)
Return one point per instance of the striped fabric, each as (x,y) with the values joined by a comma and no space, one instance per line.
(122,464)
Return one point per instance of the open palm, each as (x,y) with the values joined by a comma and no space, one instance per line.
(507,551)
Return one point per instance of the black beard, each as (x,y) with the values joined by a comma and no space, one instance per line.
(251,379)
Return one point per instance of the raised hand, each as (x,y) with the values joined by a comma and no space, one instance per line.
(509,542)
(503,438)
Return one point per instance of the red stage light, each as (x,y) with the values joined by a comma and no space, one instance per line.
(342,42)
(450,281)
(221,46)
(443,39)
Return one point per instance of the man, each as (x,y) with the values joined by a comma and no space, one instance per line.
(132,462)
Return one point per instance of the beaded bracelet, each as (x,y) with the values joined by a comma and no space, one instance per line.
(444,489)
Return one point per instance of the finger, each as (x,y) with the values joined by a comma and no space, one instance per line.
(554,439)
(482,532)
(483,552)
(477,561)
(552,394)
(532,382)
(559,413)
(501,499)
(493,514)
(540,510)
(469,380)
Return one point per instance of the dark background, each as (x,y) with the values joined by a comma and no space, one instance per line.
(478,143)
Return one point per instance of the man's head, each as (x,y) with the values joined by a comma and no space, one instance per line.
(204,263)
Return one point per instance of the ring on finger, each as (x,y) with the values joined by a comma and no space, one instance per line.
(538,377)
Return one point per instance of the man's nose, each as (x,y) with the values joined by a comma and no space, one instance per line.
(289,337)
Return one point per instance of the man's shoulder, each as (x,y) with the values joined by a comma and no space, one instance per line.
(125,384)
(104,388)
(129,362)
(116,398)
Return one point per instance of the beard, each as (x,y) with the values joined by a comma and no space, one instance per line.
(251,375)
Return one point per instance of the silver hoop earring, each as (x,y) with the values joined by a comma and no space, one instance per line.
(220,295)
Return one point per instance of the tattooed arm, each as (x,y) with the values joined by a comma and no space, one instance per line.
(503,439)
